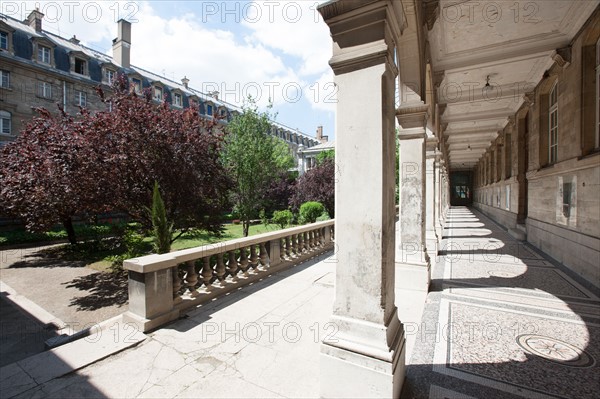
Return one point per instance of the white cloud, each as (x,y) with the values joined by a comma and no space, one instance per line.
(294,28)
(211,59)
(284,54)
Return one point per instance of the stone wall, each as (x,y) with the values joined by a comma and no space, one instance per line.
(22,97)
(562,198)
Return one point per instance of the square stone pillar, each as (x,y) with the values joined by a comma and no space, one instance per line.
(431,237)
(366,356)
(412,259)
(439,221)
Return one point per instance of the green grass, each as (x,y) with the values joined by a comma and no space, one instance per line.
(98,254)
(231,232)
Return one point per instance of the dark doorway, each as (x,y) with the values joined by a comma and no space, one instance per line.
(461,188)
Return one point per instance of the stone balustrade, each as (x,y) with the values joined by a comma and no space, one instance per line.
(161,287)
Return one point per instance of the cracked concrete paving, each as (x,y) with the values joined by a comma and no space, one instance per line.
(260,341)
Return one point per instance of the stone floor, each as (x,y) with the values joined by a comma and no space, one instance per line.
(502,321)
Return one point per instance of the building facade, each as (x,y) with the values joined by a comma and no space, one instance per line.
(41,69)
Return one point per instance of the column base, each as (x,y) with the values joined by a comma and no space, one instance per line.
(413,275)
(432,242)
(346,373)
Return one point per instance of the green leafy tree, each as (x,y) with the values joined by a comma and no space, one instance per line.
(253,158)
(323,155)
(162,229)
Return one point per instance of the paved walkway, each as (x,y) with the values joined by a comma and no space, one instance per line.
(503,322)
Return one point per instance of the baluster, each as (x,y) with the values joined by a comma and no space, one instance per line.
(207,273)
(253,257)
(295,245)
(176,284)
(264,256)
(301,242)
(320,241)
(243,260)
(191,278)
(312,239)
(220,267)
(288,247)
(232,265)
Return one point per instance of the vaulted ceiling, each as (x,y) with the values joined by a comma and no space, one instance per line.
(509,44)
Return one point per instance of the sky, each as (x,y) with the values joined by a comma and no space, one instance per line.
(276,51)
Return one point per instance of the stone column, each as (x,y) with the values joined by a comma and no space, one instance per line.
(366,356)
(412,259)
(439,221)
(431,237)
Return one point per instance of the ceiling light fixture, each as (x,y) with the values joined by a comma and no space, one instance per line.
(488,87)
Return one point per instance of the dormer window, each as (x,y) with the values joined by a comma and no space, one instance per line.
(137,85)
(3,40)
(80,66)
(177,100)
(223,112)
(109,76)
(157,93)
(43,54)
(194,103)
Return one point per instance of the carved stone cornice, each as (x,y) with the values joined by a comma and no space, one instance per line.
(511,122)
(562,57)
(529,99)
(431,12)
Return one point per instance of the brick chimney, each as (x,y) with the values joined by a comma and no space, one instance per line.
(320,137)
(122,44)
(185,82)
(74,40)
(35,20)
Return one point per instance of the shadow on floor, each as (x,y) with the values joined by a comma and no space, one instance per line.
(503,321)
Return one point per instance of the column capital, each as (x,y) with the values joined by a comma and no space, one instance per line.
(364,33)
(413,120)
(431,148)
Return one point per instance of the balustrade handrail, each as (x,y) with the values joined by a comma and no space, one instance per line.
(155,262)
(162,286)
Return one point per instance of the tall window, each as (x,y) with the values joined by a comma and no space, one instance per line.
(44,89)
(209,110)
(5,123)
(4,40)
(110,76)
(5,82)
(507,156)
(43,54)
(597,94)
(80,98)
(553,125)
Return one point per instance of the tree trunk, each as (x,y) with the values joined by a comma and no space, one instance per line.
(68,224)
(246,227)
